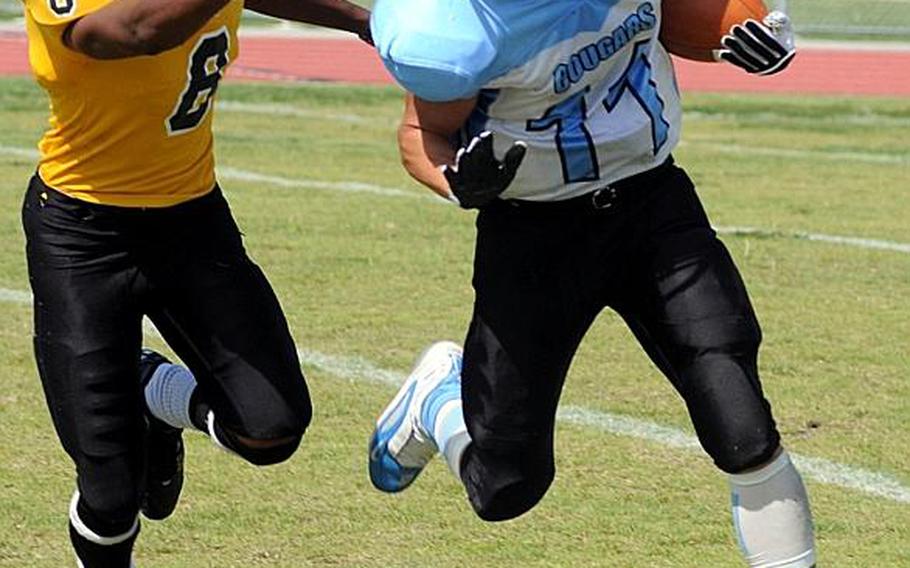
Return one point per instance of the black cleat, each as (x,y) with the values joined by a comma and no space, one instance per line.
(164,453)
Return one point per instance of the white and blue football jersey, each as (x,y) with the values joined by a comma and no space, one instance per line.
(585,83)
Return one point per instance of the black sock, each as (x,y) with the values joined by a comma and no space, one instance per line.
(199,411)
(94,555)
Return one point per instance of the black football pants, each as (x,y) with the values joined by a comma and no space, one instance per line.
(95,270)
(543,271)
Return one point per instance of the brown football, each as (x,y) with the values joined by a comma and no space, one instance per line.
(692,29)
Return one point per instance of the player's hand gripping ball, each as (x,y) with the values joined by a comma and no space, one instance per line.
(477,178)
(761,48)
(741,32)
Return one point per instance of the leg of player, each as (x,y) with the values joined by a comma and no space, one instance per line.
(689,309)
(242,384)
(86,341)
(175,403)
(99,549)
(493,418)
(771,515)
(423,418)
(167,391)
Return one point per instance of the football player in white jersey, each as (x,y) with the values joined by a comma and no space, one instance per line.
(585,209)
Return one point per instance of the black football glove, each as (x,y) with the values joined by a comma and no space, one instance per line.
(477,177)
(761,48)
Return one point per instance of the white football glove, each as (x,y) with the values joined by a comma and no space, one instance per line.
(761,48)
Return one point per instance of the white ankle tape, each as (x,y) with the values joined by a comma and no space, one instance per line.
(90,535)
(168,394)
(764,474)
(772,518)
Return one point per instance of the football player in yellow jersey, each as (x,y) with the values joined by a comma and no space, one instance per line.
(124,219)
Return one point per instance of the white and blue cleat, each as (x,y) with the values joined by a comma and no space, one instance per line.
(402,443)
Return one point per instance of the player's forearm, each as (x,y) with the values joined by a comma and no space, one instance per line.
(127,28)
(423,154)
(338,14)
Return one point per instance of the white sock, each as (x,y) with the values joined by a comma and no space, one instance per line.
(168,393)
(772,517)
(451,434)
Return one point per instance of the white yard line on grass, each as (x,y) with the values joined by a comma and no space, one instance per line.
(15,296)
(898,159)
(824,155)
(235,174)
(752,118)
(357,369)
(360,370)
(858,242)
(18,152)
(821,470)
(349,186)
(281,109)
(253,177)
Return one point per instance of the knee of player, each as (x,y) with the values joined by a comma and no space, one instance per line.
(107,514)
(263,438)
(738,456)
(514,500)
(731,415)
(267,451)
(521,479)
(109,489)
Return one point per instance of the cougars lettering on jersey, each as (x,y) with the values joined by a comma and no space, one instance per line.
(585,84)
(131,132)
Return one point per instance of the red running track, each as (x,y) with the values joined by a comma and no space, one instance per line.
(814,71)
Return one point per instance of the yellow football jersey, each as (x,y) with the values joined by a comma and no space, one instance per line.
(133,132)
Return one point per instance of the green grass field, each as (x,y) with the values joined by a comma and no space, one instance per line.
(825,19)
(369,279)
(833,16)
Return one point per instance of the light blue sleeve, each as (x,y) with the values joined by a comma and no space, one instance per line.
(431,84)
(437,49)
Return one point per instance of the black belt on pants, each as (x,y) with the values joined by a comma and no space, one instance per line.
(601,199)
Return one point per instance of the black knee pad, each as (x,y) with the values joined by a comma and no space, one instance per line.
(731,416)
(107,522)
(513,500)
(109,494)
(505,485)
(759,453)
(271,455)
(268,420)
(284,420)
